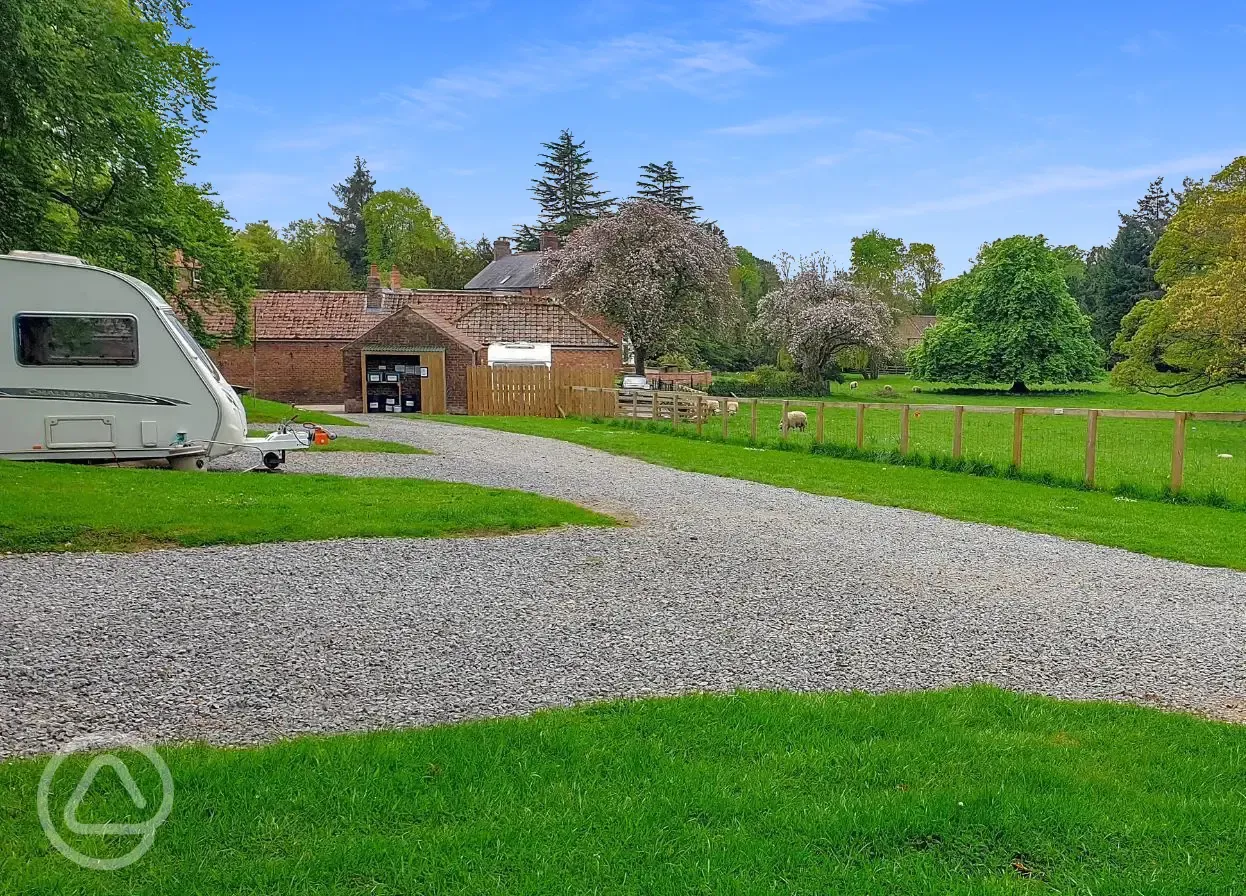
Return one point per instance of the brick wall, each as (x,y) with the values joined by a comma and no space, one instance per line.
(300,371)
(608,358)
(405,328)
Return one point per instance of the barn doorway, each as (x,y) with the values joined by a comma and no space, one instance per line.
(394,383)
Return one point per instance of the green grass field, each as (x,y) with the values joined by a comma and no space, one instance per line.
(971,791)
(1191,533)
(57,507)
(260,410)
(1134,456)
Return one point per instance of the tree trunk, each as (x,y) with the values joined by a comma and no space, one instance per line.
(1019,388)
(638,358)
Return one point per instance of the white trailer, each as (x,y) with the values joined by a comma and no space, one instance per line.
(99,368)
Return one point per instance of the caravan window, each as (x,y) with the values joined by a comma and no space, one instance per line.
(73,340)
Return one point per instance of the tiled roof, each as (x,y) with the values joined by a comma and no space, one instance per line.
(498,319)
(433,319)
(509,272)
(327,315)
(912,327)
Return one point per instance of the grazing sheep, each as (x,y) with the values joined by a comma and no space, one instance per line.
(917,389)
(853,384)
(732,408)
(795,420)
(710,407)
(887,390)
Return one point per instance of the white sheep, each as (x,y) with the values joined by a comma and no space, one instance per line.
(710,406)
(733,407)
(888,390)
(795,420)
(853,384)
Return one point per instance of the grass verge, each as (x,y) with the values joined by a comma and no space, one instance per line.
(969,791)
(1191,533)
(261,410)
(56,507)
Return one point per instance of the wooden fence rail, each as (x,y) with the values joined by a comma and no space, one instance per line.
(690,408)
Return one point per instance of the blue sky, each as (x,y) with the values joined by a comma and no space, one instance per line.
(798,123)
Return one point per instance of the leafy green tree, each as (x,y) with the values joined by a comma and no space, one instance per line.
(1194,338)
(902,276)
(927,273)
(399,225)
(662,183)
(566,191)
(265,248)
(310,259)
(349,227)
(99,108)
(1010,319)
(1120,275)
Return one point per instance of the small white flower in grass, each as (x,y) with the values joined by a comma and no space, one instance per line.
(1127,500)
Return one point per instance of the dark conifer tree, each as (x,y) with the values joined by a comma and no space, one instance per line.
(347,220)
(662,183)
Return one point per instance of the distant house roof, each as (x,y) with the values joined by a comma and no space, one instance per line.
(509,272)
(465,316)
(912,327)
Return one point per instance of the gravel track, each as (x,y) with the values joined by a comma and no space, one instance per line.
(720,584)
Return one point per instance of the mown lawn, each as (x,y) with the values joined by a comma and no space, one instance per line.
(1188,532)
(261,410)
(58,507)
(969,791)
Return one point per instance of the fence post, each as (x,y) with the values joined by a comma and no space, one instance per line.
(1178,451)
(783,420)
(752,428)
(674,410)
(1018,435)
(700,415)
(821,422)
(958,431)
(904,429)
(860,427)
(653,411)
(722,409)
(1092,445)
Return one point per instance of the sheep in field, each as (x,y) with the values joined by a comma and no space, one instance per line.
(710,406)
(733,408)
(853,384)
(795,420)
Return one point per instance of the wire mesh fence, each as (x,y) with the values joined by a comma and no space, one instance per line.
(1197,455)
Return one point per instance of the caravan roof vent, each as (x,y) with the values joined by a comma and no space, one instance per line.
(45,256)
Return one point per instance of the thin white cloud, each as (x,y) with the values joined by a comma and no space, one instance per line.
(778,124)
(1073,179)
(800,12)
(633,61)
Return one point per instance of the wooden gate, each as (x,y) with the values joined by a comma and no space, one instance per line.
(529,391)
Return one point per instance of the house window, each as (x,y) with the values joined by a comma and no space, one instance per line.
(74,340)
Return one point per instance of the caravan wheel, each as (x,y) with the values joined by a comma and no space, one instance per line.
(194,464)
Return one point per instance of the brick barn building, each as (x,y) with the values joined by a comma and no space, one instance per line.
(325,347)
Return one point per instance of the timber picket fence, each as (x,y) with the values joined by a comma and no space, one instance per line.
(537,391)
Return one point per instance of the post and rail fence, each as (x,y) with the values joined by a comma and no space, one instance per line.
(679,407)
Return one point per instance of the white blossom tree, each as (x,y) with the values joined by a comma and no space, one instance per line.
(818,312)
(648,270)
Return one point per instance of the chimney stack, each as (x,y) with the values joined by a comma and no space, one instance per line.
(549,240)
(374,302)
(501,248)
(395,278)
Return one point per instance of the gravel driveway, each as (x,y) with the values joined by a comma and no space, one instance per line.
(720,584)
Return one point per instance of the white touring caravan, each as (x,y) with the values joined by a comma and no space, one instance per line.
(98,368)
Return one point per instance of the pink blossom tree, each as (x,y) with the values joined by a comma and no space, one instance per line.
(648,270)
(818,312)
